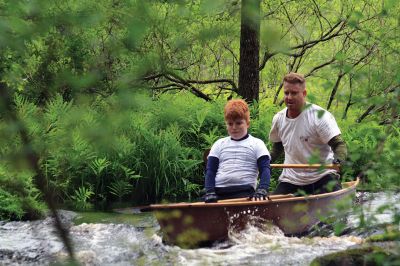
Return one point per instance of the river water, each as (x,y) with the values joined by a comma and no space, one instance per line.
(121,239)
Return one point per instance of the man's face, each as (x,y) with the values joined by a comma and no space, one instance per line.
(294,96)
(237,128)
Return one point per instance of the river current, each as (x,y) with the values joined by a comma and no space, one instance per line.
(138,242)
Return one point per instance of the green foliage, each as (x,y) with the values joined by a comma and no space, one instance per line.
(367,255)
(10,206)
(81,198)
(373,150)
(210,137)
(155,152)
(98,165)
(387,236)
(164,162)
(19,199)
(120,188)
(127,159)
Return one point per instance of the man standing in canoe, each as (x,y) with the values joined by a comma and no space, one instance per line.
(235,162)
(306,133)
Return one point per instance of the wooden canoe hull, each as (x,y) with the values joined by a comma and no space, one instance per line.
(190,224)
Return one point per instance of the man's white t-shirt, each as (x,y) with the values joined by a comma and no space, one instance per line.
(238,161)
(305,138)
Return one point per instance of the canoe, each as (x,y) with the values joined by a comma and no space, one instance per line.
(199,223)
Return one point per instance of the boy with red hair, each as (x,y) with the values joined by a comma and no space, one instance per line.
(235,162)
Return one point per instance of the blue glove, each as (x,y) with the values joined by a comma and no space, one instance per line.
(210,197)
(260,194)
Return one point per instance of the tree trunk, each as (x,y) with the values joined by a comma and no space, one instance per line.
(249,50)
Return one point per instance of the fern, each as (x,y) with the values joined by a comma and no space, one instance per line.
(56,109)
(129,173)
(210,138)
(81,197)
(190,188)
(99,165)
(120,188)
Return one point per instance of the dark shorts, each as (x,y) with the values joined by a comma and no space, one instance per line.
(328,183)
(233,192)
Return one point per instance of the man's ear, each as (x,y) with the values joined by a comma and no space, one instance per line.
(248,124)
(305,92)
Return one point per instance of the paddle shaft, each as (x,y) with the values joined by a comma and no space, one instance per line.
(309,166)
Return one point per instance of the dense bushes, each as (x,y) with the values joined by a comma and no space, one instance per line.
(128,147)
(19,199)
(101,151)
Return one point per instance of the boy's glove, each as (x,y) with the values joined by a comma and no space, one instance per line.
(260,194)
(210,197)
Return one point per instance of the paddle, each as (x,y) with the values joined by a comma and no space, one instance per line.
(309,166)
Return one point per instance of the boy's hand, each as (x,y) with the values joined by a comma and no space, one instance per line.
(210,197)
(260,194)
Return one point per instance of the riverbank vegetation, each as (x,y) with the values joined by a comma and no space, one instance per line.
(128,147)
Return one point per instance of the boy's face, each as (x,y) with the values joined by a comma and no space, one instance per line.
(237,128)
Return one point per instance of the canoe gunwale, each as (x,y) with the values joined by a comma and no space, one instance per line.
(348,187)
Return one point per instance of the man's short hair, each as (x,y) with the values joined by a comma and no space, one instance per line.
(237,109)
(295,78)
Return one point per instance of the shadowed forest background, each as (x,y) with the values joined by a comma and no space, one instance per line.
(106,102)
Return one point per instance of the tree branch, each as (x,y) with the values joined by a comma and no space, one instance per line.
(319,67)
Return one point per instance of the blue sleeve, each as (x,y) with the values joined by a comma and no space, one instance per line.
(264,171)
(211,172)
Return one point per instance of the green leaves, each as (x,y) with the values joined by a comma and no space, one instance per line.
(98,165)
(212,6)
(138,24)
(129,173)
(210,137)
(271,39)
(11,207)
(120,188)
(81,198)
(355,18)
